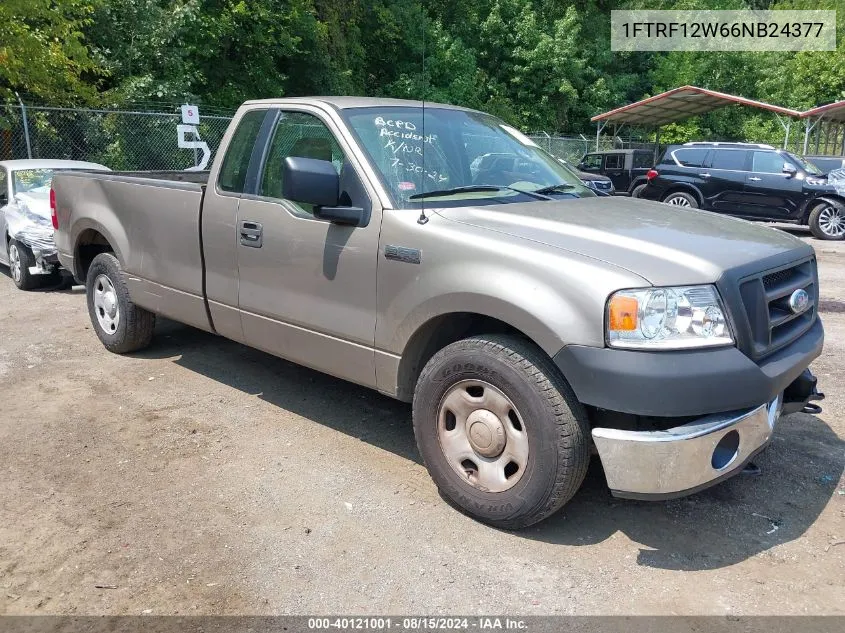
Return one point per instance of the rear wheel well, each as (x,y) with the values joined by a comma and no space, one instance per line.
(685,189)
(90,244)
(437,333)
(639,180)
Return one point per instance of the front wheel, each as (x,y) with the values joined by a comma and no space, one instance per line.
(501,432)
(827,221)
(121,326)
(20,259)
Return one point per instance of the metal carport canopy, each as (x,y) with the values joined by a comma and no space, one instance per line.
(831,112)
(682,103)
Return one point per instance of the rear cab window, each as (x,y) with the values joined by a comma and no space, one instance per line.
(643,160)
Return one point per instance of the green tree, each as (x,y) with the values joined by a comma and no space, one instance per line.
(43,52)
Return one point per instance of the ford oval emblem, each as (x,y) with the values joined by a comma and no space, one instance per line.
(798,301)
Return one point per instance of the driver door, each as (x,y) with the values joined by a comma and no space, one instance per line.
(307,288)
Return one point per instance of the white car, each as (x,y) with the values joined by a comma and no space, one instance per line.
(25,222)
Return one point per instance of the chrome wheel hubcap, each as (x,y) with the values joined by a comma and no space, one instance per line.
(831,222)
(105,304)
(482,436)
(678,201)
(15,262)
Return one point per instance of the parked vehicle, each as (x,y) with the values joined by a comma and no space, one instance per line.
(827,164)
(525,317)
(28,248)
(494,164)
(751,181)
(626,168)
(596,182)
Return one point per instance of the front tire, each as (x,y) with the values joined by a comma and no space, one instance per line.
(681,199)
(121,326)
(20,259)
(827,221)
(501,432)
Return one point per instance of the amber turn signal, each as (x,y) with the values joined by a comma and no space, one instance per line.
(622,313)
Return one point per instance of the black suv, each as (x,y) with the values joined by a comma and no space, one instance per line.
(751,181)
(626,168)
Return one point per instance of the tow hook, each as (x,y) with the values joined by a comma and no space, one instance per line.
(798,396)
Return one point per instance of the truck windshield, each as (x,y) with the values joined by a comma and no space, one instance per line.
(482,159)
(32,180)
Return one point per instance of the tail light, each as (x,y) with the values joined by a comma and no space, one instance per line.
(651,175)
(53,215)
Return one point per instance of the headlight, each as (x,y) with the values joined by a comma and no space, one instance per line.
(667,318)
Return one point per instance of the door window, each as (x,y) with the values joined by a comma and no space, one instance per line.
(732,159)
(691,157)
(767,163)
(4,188)
(591,161)
(303,135)
(614,161)
(236,161)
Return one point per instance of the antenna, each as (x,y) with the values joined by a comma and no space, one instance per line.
(423,219)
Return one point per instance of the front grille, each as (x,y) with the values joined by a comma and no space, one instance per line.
(766,300)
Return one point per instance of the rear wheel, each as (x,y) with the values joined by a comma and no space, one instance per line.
(501,432)
(827,221)
(681,199)
(637,191)
(20,259)
(121,326)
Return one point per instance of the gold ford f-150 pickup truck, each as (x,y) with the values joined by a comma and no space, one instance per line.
(527,318)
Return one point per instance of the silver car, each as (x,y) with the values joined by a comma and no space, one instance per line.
(25,222)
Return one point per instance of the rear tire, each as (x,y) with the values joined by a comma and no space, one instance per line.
(502,396)
(827,221)
(681,199)
(20,259)
(635,193)
(121,326)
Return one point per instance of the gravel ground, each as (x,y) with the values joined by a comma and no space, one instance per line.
(205,477)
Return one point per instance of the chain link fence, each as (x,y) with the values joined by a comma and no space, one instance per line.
(146,139)
(573,148)
(126,140)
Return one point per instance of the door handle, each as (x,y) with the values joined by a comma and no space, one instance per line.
(251,234)
(754,178)
(704,175)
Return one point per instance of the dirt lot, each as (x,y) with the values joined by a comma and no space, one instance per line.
(205,477)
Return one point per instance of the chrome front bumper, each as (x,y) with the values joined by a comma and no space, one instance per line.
(687,458)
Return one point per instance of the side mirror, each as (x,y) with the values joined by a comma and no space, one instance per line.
(315,182)
(790,169)
(310,181)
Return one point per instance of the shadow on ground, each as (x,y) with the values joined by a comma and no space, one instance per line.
(718,527)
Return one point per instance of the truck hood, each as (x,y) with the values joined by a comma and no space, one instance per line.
(665,245)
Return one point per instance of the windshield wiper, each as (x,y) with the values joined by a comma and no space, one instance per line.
(454,190)
(561,186)
(474,189)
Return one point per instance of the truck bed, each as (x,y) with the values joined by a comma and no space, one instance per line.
(152,219)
